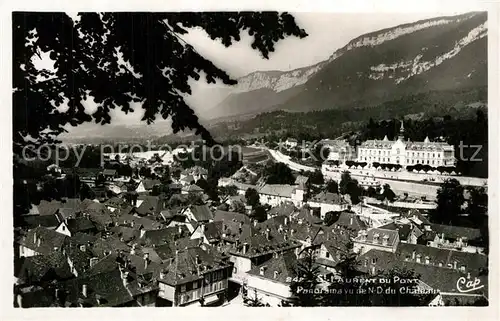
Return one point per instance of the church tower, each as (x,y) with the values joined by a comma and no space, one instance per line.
(401,135)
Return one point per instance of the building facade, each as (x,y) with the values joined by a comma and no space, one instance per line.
(406,153)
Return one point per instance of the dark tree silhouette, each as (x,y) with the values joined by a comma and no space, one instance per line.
(86,52)
(306,281)
(388,193)
(279,173)
(450,198)
(332,186)
(252,197)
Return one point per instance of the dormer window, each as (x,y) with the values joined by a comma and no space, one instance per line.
(276,273)
(418,258)
(262,270)
(427,260)
(462,268)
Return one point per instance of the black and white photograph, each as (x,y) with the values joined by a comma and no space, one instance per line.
(237,159)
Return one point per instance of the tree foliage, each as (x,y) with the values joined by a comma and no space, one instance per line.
(450,198)
(279,173)
(156,73)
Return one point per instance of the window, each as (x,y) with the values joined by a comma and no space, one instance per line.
(235,270)
(195,285)
(374,260)
(327,255)
(183,288)
(427,162)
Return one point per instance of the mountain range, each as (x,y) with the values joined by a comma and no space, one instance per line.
(439,54)
(386,67)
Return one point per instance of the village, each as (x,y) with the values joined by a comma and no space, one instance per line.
(156,241)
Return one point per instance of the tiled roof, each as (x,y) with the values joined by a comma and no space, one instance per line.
(188,179)
(286,209)
(277,190)
(43,268)
(48,208)
(231,216)
(102,247)
(99,214)
(164,235)
(109,171)
(79,258)
(151,205)
(184,267)
(80,238)
(377,236)
(305,215)
(192,188)
(126,233)
(281,268)
(439,278)
(471,261)
(48,221)
(456,232)
(201,213)
(44,241)
(350,221)
(328,198)
(402,229)
(80,224)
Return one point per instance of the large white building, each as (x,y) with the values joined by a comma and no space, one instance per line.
(406,153)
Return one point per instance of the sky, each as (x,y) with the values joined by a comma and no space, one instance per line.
(327,33)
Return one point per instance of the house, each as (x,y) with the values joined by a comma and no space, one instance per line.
(80,258)
(328,202)
(274,194)
(192,189)
(116,288)
(456,237)
(199,213)
(75,225)
(252,245)
(350,221)
(32,221)
(149,205)
(444,280)
(42,269)
(194,278)
(187,180)
(41,241)
(196,172)
(405,231)
(284,209)
(270,281)
(162,236)
(109,174)
(241,187)
(376,238)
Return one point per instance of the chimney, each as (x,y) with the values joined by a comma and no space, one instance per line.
(268,234)
(285,237)
(84,290)
(198,260)
(179,229)
(34,238)
(146,260)
(143,232)
(245,248)
(125,278)
(286,221)
(455,264)
(254,223)
(351,220)
(83,248)
(39,241)
(241,225)
(280,228)
(413,254)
